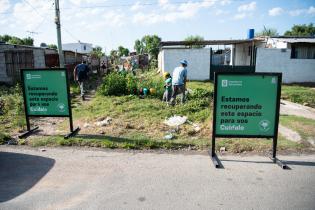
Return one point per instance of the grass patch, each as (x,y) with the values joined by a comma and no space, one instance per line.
(305,127)
(298,94)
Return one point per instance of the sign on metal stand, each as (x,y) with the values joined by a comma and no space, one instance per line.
(246,105)
(46,94)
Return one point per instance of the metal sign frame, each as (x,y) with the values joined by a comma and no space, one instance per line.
(27,115)
(213,155)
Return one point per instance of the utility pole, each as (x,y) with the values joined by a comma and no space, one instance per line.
(58,26)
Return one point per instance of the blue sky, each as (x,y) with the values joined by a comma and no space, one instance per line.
(110,23)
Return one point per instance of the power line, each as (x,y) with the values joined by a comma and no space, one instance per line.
(122,5)
(45,18)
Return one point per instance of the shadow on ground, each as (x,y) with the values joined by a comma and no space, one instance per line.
(20,172)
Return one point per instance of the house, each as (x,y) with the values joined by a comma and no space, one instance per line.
(293,56)
(203,62)
(79,47)
(15,57)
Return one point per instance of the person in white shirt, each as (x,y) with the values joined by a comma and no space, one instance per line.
(179,82)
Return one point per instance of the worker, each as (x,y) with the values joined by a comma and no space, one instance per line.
(179,82)
(80,75)
(167,86)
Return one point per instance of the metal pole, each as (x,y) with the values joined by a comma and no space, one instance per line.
(58,27)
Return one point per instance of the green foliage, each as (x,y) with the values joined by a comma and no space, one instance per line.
(4,138)
(11,108)
(18,41)
(298,94)
(200,93)
(122,51)
(118,84)
(192,39)
(268,32)
(52,46)
(97,52)
(301,30)
(114,84)
(148,44)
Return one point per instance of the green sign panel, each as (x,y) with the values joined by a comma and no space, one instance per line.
(45,92)
(246,104)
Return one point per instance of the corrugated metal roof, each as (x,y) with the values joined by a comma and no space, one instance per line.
(210,42)
(296,39)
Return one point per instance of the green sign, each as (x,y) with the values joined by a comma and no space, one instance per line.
(246,104)
(45,92)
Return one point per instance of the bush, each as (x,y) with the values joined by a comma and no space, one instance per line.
(114,84)
(118,84)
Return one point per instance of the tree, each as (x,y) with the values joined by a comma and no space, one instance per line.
(97,51)
(192,39)
(15,40)
(52,46)
(148,44)
(267,32)
(28,41)
(301,30)
(43,44)
(122,51)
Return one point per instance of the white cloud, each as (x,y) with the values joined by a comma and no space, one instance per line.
(4,5)
(114,18)
(86,2)
(225,2)
(221,12)
(296,12)
(171,12)
(137,6)
(27,17)
(311,10)
(239,16)
(275,11)
(247,7)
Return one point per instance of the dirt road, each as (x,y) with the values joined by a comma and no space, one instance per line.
(72,178)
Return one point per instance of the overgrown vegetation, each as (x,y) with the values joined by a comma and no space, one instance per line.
(11,111)
(299,94)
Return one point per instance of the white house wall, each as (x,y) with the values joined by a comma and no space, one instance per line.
(198,61)
(293,70)
(241,55)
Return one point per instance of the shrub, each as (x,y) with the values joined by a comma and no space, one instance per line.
(114,84)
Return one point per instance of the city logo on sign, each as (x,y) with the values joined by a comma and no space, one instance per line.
(28,76)
(264,125)
(61,107)
(224,83)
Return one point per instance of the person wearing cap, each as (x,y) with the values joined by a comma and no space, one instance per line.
(167,86)
(80,75)
(179,82)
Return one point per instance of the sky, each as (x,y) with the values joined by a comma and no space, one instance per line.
(111,23)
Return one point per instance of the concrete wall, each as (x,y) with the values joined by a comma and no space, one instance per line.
(293,70)
(198,61)
(78,47)
(39,58)
(241,54)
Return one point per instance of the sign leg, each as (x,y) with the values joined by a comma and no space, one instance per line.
(213,155)
(274,152)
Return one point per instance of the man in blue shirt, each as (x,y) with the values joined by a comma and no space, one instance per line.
(179,82)
(80,75)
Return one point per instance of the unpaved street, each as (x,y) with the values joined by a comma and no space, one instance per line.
(73,178)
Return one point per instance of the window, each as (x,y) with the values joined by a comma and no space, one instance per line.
(303,51)
(84,47)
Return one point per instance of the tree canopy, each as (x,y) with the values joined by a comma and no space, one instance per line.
(122,51)
(52,46)
(268,32)
(301,30)
(193,39)
(16,40)
(97,51)
(148,44)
